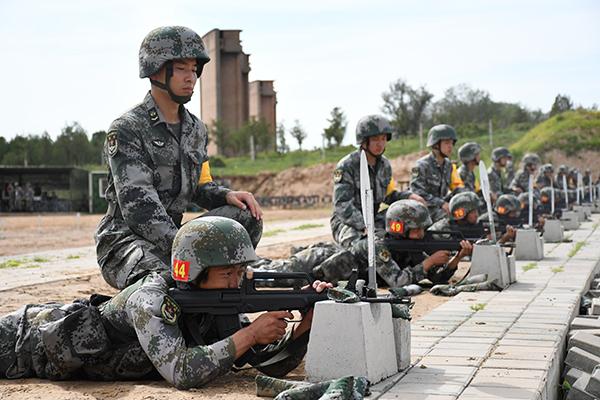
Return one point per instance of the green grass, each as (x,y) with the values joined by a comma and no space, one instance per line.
(558,269)
(307,226)
(569,132)
(576,248)
(73,257)
(41,259)
(32,266)
(529,266)
(478,307)
(273,232)
(12,263)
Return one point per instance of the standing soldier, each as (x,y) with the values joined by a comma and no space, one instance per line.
(347,223)
(521,182)
(158,165)
(431,177)
(469,154)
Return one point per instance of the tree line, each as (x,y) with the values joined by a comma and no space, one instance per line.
(408,108)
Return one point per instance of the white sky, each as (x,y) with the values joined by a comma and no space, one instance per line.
(68,61)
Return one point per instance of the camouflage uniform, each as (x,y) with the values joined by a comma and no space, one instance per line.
(134,335)
(432,181)
(497,184)
(156,170)
(468,177)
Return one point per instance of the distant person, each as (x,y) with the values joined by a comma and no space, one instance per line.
(28,198)
(19,197)
(469,154)
(6,192)
(530,163)
(545,177)
(158,165)
(347,224)
(497,172)
(432,176)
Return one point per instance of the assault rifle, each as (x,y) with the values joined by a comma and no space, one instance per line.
(450,240)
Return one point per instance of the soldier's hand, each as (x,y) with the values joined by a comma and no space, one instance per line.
(466,248)
(446,208)
(440,257)
(244,200)
(270,326)
(509,235)
(418,198)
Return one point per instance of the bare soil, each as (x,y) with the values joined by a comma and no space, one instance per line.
(28,233)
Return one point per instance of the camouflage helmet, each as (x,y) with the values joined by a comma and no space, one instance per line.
(500,152)
(404,215)
(468,151)
(441,132)
(209,242)
(169,43)
(563,169)
(524,200)
(372,125)
(506,204)
(531,158)
(462,204)
(546,168)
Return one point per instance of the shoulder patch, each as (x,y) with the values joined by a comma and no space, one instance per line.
(112,145)
(384,255)
(337,175)
(414,173)
(170,310)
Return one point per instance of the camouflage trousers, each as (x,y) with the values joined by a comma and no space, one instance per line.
(131,257)
(388,270)
(324,260)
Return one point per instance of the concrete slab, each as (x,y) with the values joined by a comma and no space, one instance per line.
(585,341)
(585,323)
(500,393)
(582,360)
(447,360)
(415,396)
(593,385)
(427,388)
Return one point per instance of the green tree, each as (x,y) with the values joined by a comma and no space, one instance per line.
(336,130)
(282,146)
(561,104)
(405,106)
(97,145)
(72,146)
(219,133)
(298,133)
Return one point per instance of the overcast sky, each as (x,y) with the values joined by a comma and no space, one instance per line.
(66,61)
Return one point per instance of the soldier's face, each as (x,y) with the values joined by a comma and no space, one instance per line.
(376,144)
(503,161)
(228,277)
(532,168)
(184,77)
(472,217)
(446,146)
(416,234)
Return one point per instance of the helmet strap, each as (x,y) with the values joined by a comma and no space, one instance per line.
(166,86)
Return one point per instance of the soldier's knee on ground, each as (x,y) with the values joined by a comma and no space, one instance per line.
(337,267)
(253,226)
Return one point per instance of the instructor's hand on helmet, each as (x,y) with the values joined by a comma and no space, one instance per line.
(244,200)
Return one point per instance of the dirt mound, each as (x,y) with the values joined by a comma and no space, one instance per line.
(582,160)
(309,181)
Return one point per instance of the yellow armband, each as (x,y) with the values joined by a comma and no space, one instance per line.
(455,180)
(205,176)
(390,187)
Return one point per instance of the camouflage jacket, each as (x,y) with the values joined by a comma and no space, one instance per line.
(521,181)
(431,181)
(347,205)
(468,178)
(496,183)
(543,181)
(154,174)
(134,335)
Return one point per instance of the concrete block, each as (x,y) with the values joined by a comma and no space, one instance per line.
(492,261)
(351,339)
(512,268)
(585,341)
(529,245)
(577,391)
(570,220)
(402,342)
(582,360)
(583,212)
(572,375)
(593,386)
(553,231)
(585,323)
(595,308)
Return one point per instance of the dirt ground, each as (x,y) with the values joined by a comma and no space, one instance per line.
(23,234)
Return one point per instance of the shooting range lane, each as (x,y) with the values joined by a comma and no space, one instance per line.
(502,345)
(55,265)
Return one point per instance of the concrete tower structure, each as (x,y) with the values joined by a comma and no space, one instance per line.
(263,104)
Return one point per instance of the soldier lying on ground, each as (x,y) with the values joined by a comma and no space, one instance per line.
(347,223)
(464,211)
(432,176)
(158,165)
(507,213)
(141,333)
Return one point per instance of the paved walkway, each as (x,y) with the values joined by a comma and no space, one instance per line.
(501,345)
(56,265)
